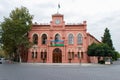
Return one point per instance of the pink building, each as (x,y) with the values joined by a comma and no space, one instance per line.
(59,42)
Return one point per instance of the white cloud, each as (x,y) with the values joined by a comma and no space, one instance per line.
(98,13)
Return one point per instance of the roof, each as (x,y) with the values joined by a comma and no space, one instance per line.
(57,14)
(93,37)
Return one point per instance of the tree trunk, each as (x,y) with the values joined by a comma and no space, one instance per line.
(20,58)
(18,52)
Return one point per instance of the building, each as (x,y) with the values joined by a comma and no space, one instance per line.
(58,42)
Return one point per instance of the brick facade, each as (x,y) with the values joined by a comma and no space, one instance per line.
(58,42)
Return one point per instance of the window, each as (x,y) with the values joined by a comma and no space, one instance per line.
(35,39)
(44,39)
(69,55)
(57,37)
(45,53)
(35,54)
(82,56)
(79,38)
(41,55)
(72,55)
(78,55)
(70,39)
(32,55)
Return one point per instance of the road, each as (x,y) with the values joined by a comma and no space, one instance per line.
(59,72)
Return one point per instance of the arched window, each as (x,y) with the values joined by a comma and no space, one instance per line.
(70,39)
(35,39)
(44,39)
(57,37)
(79,39)
(32,55)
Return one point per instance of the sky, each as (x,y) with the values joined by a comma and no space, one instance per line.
(99,14)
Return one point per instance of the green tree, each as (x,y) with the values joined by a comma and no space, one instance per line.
(107,39)
(116,55)
(100,50)
(92,50)
(15,29)
(2,53)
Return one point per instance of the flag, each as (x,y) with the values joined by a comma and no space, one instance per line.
(57,43)
(58,5)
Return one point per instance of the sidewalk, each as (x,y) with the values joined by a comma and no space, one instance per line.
(66,64)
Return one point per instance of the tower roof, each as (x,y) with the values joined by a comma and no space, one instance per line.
(57,14)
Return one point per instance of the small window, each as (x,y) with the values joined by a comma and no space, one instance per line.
(41,55)
(78,55)
(32,55)
(45,53)
(35,54)
(73,55)
(82,56)
(69,55)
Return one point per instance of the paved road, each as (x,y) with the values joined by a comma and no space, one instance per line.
(59,72)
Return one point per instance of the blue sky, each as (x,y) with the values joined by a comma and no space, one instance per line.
(99,14)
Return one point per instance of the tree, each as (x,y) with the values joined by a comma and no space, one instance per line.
(91,49)
(15,29)
(116,55)
(107,38)
(100,50)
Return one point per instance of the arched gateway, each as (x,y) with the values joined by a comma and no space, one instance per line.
(57,56)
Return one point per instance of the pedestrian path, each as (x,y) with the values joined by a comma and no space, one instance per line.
(66,64)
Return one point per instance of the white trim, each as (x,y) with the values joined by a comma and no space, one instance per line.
(70,33)
(35,33)
(80,33)
(57,33)
(43,33)
(43,50)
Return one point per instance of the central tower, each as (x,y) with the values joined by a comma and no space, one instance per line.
(57,20)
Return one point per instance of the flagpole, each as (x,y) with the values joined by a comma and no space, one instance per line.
(58,8)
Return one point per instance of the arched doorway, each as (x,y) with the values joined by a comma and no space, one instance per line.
(57,56)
